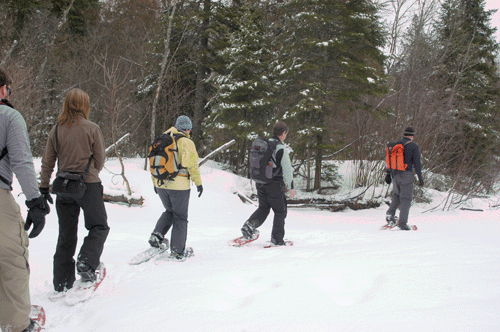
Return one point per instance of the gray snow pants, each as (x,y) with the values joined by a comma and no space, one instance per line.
(176,203)
(14,269)
(402,194)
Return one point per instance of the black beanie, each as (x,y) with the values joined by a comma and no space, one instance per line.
(409,132)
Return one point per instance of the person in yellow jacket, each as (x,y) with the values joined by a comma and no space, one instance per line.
(174,194)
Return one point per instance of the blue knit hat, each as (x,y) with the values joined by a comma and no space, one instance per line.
(183,123)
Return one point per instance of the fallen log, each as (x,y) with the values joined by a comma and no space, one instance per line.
(122,199)
(320,203)
(334,206)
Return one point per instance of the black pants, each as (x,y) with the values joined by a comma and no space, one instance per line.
(271,196)
(96,222)
(176,204)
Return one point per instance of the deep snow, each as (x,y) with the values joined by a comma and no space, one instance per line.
(342,274)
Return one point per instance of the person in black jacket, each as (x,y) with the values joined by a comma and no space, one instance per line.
(272,195)
(402,189)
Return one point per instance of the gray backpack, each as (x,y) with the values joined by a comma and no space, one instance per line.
(261,160)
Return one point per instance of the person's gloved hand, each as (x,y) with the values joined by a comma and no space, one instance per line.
(388,178)
(421,183)
(38,209)
(200,190)
(45,193)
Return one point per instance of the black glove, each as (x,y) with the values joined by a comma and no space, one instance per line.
(200,190)
(421,183)
(46,195)
(38,209)
(388,178)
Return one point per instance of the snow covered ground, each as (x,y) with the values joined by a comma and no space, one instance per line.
(342,274)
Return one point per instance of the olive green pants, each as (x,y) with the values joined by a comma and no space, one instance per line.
(14,270)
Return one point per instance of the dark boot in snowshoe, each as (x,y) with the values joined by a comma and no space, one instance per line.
(86,272)
(278,242)
(188,252)
(157,240)
(404,227)
(391,220)
(33,327)
(248,230)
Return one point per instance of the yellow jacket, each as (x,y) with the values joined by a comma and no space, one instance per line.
(188,158)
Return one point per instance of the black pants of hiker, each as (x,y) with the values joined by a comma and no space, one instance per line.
(96,222)
(176,204)
(271,196)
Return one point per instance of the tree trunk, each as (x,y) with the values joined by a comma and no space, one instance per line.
(51,43)
(202,70)
(166,55)
(319,158)
(14,44)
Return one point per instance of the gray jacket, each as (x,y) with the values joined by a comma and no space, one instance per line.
(18,161)
(283,164)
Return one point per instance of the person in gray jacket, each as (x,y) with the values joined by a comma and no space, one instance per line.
(16,159)
(273,195)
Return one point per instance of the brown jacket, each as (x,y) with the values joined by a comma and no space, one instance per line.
(76,145)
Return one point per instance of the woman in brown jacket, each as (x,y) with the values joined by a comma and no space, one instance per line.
(79,142)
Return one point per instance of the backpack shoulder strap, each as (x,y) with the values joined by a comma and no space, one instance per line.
(4,180)
(403,143)
(178,136)
(273,144)
(57,140)
(4,153)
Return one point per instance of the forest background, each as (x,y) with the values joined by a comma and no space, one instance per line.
(347,76)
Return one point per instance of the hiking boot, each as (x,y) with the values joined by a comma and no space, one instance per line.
(404,227)
(33,327)
(85,271)
(391,220)
(249,232)
(278,242)
(182,257)
(156,240)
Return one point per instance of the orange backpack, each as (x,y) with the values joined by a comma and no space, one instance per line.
(163,157)
(394,157)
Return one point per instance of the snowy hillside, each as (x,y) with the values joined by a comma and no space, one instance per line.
(342,274)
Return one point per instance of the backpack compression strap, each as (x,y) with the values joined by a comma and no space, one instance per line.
(4,151)
(177,137)
(4,180)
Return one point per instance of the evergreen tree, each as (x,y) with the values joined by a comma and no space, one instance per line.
(21,11)
(331,57)
(83,14)
(244,105)
(469,75)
